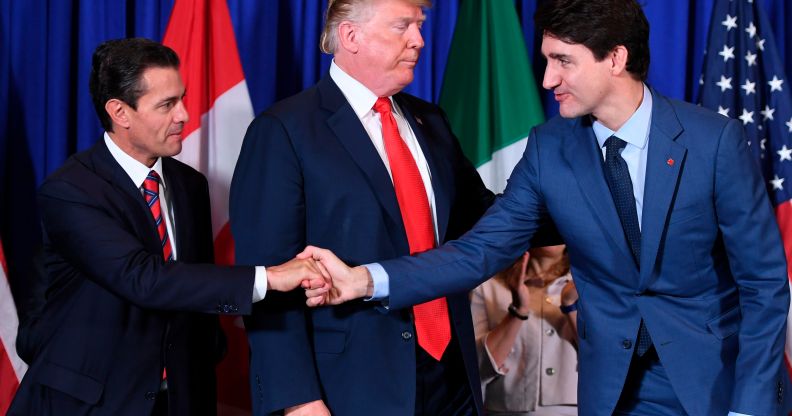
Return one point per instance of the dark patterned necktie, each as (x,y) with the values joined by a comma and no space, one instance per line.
(618,177)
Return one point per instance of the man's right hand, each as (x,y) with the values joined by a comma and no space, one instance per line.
(296,273)
(314,408)
(346,283)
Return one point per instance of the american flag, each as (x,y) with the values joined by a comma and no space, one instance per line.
(744,78)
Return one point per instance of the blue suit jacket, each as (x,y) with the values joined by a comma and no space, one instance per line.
(115,313)
(308,173)
(712,286)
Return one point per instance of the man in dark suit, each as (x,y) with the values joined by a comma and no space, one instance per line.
(355,165)
(675,251)
(126,328)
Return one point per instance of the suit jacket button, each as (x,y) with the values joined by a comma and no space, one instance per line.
(406,335)
(550,371)
(626,344)
(234,308)
(550,332)
(150,395)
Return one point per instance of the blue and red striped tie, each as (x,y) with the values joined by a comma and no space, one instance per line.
(151,193)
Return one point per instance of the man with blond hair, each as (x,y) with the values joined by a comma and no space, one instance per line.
(373,173)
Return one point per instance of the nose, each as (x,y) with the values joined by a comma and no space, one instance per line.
(416,40)
(550,79)
(180,114)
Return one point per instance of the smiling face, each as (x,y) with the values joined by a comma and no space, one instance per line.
(154,128)
(580,83)
(388,45)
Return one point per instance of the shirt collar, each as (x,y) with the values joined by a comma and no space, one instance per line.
(636,130)
(136,170)
(360,98)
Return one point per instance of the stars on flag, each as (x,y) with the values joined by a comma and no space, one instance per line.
(784,153)
(724,83)
(778,183)
(767,113)
(746,116)
(725,112)
(727,53)
(730,22)
(775,84)
(750,58)
(751,30)
(749,87)
(744,79)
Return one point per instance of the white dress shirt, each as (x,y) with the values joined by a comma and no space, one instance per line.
(137,172)
(362,101)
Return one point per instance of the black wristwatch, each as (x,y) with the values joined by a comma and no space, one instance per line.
(567,309)
(513,312)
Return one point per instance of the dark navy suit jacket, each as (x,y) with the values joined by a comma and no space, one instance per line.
(115,312)
(308,173)
(712,286)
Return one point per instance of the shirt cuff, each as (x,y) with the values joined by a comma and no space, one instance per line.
(381,281)
(737,414)
(502,370)
(260,284)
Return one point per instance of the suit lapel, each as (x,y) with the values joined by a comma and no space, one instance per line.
(440,180)
(585,159)
(107,167)
(350,133)
(663,164)
(180,203)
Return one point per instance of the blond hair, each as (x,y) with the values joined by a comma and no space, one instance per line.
(348,10)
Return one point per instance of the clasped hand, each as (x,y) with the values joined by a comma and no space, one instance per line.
(342,283)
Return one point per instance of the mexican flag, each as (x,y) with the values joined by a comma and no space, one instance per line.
(489,91)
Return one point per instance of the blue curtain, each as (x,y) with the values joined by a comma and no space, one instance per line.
(46,46)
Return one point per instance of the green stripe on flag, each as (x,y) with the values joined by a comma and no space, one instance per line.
(489,91)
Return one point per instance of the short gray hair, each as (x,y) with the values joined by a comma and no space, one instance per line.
(348,10)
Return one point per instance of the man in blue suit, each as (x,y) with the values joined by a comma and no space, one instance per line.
(318,168)
(673,244)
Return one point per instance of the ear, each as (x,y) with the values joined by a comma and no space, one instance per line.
(118,112)
(618,57)
(348,33)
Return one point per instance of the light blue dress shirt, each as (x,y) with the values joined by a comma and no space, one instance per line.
(635,131)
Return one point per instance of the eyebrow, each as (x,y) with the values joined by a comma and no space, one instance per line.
(172,98)
(558,56)
(409,20)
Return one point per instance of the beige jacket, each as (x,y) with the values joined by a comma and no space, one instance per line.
(542,366)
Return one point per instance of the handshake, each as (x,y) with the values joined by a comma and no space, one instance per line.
(326,279)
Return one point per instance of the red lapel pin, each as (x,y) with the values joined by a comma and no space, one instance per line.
(670,162)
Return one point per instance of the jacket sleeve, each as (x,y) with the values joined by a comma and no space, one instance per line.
(499,237)
(267,212)
(102,246)
(756,259)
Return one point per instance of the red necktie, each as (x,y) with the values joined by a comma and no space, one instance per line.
(431,318)
(151,193)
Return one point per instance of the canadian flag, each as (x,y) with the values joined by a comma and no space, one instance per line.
(12,368)
(217,99)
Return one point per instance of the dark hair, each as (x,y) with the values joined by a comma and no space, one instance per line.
(117,68)
(600,26)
